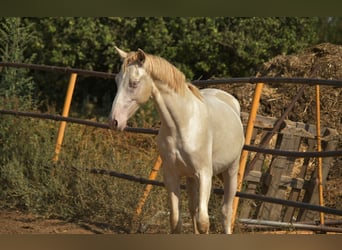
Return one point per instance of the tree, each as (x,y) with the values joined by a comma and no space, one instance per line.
(330,30)
(223,47)
(15,82)
(202,47)
(86,43)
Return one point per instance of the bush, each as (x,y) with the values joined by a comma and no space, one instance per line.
(31,181)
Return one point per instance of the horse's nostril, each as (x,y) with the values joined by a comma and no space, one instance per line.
(113,124)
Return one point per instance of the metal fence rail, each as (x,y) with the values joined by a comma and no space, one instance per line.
(287,225)
(155,132)
(219,191)
(268,80)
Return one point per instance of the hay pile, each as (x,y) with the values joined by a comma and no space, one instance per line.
(320,61)
(323,61)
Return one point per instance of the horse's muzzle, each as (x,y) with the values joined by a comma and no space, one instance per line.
(113,123)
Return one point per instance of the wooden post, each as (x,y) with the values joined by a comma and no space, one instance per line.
(248,137)
(65,113)
(319,149)
(152,176)
(279,173)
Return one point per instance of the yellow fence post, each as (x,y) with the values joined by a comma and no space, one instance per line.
(248,137)
(319,149)
(65,113)
(148,188)
(152,176)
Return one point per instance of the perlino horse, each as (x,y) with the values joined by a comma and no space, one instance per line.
(201,133)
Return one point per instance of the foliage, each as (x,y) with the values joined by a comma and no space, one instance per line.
(15,82)
(330,30)
(31,181)
(198,44)
(202,47)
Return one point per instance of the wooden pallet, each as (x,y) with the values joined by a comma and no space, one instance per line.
(285,177)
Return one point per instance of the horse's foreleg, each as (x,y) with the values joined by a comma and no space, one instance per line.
(230,186)
(192,188)
(172,184)
(204,194)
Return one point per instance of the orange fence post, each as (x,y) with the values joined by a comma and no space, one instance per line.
(319,149)
(65,113)
(148,188)
(248,137)
(152,176)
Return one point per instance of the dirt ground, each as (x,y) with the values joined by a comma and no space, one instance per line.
(16,222)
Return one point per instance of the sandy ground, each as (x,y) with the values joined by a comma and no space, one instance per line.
(15,222)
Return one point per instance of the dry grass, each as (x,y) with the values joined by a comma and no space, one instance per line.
(32,182)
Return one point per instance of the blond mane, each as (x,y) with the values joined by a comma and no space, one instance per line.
(161,70)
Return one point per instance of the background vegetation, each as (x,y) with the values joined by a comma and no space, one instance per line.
(200,47)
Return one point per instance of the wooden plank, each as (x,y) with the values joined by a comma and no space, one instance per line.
(260,121)
(268,123)
(311,195)
(247,205)
(280,166)
(295,192)
(253,176)
(290,182)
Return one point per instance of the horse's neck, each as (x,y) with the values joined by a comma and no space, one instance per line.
(174,109)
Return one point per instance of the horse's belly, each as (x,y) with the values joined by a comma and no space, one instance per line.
(228,140)
(221,164)
(226,149)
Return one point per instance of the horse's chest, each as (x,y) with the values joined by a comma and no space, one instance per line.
(175,156)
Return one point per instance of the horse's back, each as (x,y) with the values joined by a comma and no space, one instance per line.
(223,96)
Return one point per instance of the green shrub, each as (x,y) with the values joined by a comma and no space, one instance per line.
(31,181)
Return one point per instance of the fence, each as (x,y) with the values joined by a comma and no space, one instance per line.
(276,181)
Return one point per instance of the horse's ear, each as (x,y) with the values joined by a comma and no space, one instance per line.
(141,56)
(122,53)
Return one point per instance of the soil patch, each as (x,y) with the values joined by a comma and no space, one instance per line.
(16,222)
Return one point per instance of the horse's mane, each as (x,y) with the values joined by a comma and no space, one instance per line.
(161,70)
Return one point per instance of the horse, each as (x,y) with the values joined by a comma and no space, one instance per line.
(201,134)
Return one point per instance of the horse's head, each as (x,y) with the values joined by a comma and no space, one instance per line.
(134,87)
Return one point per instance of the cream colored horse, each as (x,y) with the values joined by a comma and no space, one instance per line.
(201,133)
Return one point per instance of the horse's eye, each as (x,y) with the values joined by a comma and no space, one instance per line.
(133,84)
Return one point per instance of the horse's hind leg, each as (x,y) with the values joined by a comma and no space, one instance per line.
(192,188)
(230,186)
